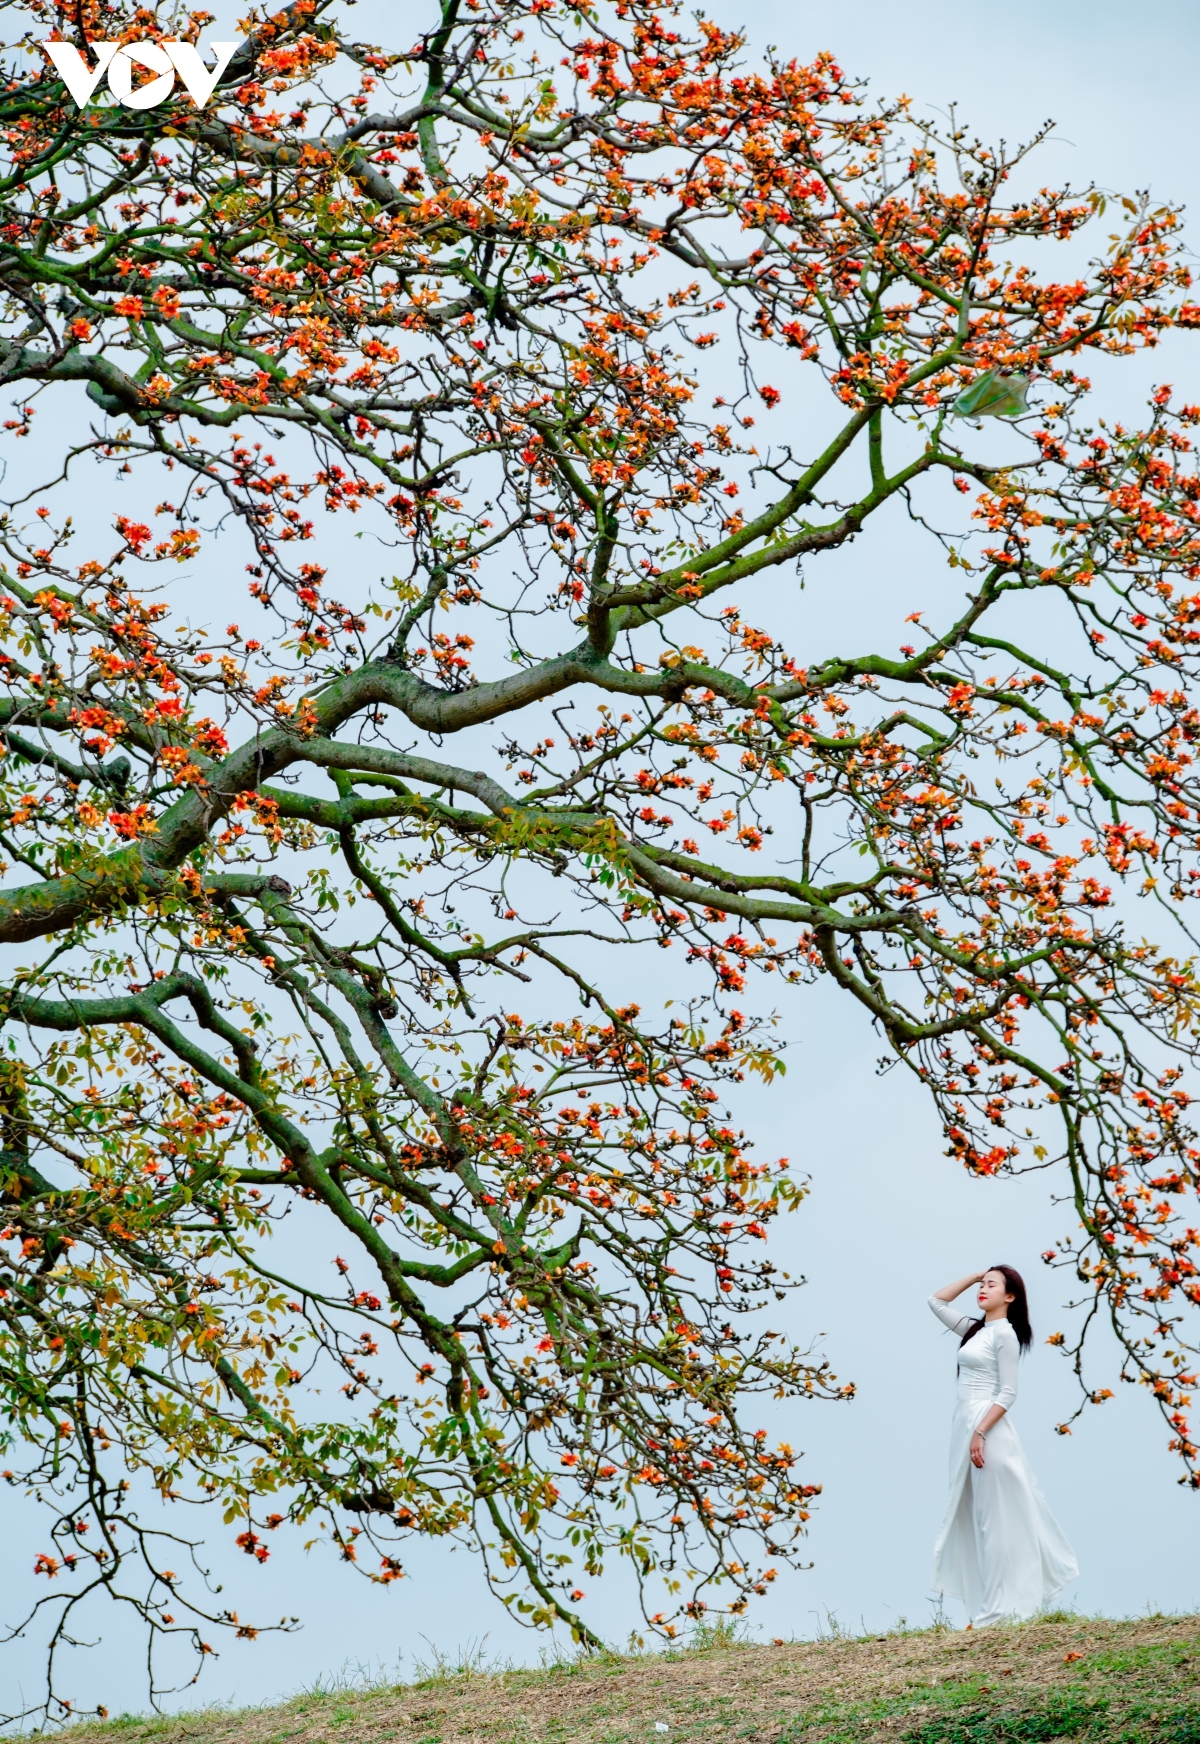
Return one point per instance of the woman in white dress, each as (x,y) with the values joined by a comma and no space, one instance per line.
(1000,1550)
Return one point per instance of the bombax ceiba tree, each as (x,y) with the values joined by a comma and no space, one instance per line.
(314,929)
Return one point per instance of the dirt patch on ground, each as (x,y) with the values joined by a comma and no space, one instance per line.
(1070,1678)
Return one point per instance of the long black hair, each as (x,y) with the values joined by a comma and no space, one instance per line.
(1018,1309)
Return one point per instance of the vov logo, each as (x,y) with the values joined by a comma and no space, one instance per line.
(119,59)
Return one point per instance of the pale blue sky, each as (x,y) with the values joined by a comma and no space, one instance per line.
(889,1218)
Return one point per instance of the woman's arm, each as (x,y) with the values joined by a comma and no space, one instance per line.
(940,1300)
(1007,1351)
(953,1290)
(957,1323)
(988,1421)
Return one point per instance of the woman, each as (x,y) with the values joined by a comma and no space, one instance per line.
(1000,1550)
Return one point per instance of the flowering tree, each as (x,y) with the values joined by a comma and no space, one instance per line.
(269,1116)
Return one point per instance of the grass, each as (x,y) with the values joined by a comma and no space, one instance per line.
(1062,1678)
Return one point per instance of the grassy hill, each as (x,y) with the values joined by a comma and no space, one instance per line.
(1068,1678)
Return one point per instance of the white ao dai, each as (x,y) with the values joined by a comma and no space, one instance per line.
(1000,1550)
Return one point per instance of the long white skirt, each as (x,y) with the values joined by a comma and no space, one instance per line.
(1000,1550)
